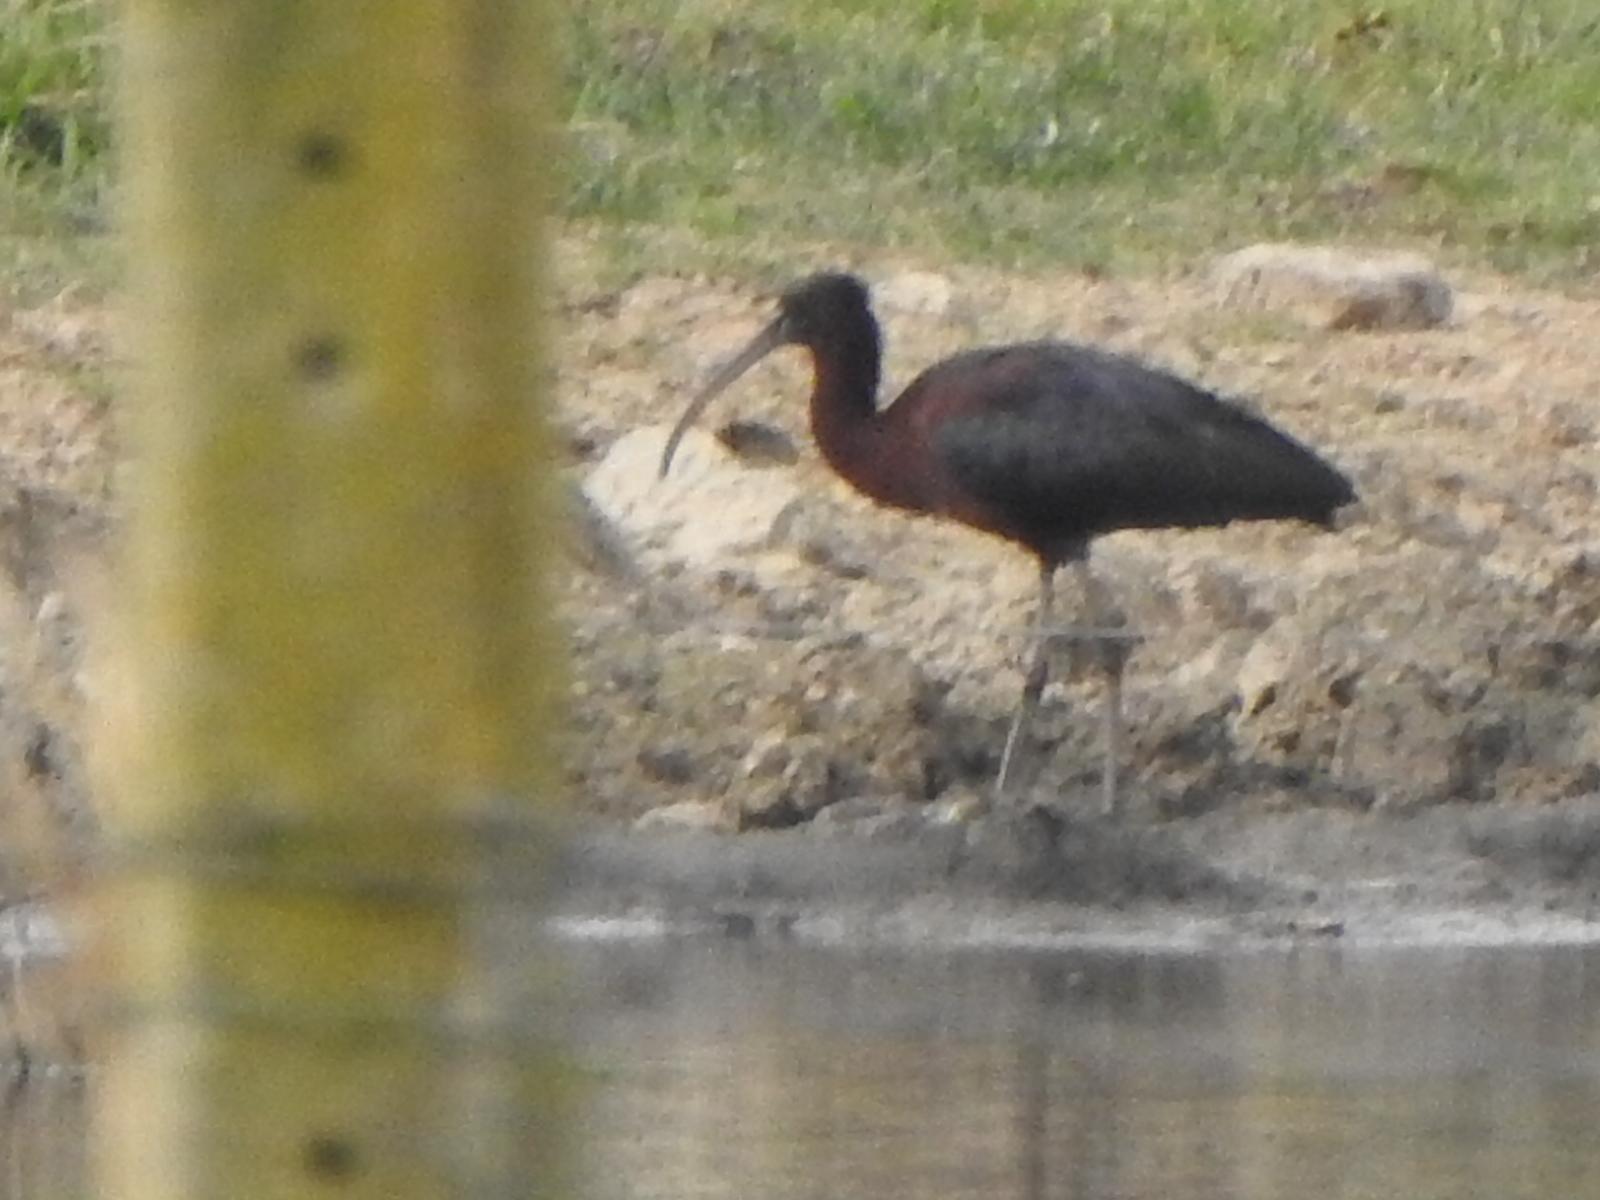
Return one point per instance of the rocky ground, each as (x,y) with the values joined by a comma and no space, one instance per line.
(775,652)
(58,456)
(786,701)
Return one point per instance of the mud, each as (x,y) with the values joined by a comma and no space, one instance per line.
(1385,732)
(1386,727)
(1485,877)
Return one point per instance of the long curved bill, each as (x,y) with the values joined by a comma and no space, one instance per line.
(763,344)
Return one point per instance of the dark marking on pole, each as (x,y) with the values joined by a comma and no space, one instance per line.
(319,358)
(322,155)
(331,1157)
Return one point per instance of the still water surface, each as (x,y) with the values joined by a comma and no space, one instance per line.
(752,1070)
(772,1071)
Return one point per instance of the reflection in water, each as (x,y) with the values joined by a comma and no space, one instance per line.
(41,1139)
(776,1072)
(741,1069)
(42,1102)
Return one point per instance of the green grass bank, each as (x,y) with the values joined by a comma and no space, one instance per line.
(1022,133)
(1029,132)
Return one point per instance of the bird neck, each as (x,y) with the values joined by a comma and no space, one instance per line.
(849,430)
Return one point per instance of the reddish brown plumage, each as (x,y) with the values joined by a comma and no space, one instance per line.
(1046,444)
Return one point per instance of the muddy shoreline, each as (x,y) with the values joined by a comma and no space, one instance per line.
(1385,732)
(1380,734)
(1469,876)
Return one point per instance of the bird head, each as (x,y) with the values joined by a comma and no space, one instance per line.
(817,311)
(821,308)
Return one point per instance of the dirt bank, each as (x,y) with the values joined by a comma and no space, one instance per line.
(1329,733)
(1323,727)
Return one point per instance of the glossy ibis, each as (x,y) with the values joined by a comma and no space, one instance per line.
(1047,444)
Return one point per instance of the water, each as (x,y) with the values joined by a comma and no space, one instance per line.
(749,1070)
(766,1070)
(41,1139)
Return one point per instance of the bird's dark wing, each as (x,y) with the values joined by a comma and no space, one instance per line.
(1067,442)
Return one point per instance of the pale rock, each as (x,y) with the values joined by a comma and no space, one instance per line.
(688,814)
(710,508)
(1335,288)
(1217,666)
(768,756)
(1266,667)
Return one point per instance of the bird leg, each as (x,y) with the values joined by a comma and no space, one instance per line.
(1038,673)
(1114,650)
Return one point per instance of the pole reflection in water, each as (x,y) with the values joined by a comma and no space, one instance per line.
(742,1069)
(41,1139)
(42,1081)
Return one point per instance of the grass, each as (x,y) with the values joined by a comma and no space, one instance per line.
(1030,132)
(1021,133)
(54,135)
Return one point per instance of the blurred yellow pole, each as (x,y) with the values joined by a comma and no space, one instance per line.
(339,657)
